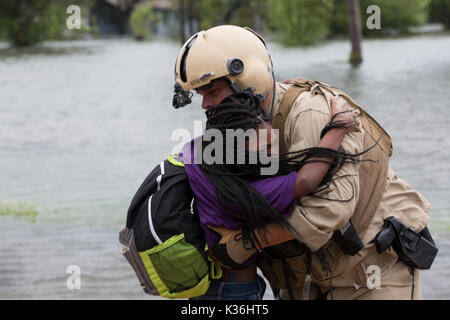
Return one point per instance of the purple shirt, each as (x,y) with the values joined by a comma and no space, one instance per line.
(278,191)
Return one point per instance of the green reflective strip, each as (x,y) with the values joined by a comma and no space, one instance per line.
(173,159)
(163,291)
(166,244)
(215,270)
(159,284)
(199,290)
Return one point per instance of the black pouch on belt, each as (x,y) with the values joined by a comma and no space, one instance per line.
(417,250)
(348,239)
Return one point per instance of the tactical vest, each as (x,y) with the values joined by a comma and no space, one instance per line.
(285,265)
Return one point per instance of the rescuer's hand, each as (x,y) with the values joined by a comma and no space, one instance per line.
(235,247)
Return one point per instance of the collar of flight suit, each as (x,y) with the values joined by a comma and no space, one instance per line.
(280,89)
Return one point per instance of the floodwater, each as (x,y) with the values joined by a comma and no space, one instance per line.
(83,122)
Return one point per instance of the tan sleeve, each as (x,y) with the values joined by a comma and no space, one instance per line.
(405,203)
(316,219)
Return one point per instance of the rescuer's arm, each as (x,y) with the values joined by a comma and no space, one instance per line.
(236,246)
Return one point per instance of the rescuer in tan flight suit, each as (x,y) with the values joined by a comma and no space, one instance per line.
(333,254)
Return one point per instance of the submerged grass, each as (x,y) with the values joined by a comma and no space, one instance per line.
(440,226)
(12,52)
(19,209)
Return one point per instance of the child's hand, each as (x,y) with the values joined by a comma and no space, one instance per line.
(344,118)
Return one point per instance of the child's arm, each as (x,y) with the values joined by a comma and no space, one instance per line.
(308,179)
(311,174)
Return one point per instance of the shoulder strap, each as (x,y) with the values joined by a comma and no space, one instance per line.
(291,94)
(370,125)
(175,160)
(300,85)
(376,131)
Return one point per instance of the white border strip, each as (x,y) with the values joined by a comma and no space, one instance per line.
(150,220)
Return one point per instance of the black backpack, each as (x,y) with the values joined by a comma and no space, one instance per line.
(163,240)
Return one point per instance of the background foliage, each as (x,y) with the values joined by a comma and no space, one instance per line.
(293,22)
(26,22)
(141,19)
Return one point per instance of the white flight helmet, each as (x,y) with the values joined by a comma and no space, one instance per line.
(235,53)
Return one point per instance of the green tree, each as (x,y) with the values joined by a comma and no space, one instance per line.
(300,22)
(141,19)
(215,12)
(355,30)
(339,19)
(26,22)
(440,12)
(20,20)
(398,15)
(209,13)
(250,13)
(53,22)
(205,14)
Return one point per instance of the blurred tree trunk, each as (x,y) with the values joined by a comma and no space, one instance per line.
(226,17)
(181,14)
(191,25)
(195,16)
(192,14)
(190,20)
(355,30)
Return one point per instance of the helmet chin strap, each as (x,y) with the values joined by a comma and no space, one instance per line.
(272,98)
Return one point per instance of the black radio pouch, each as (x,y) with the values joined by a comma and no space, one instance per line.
(348,239)
(417,250)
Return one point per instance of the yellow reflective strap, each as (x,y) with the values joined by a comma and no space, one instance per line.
(198,290)
(175,160)
(215,271)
